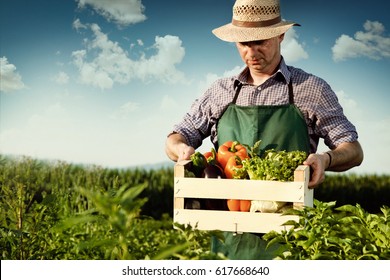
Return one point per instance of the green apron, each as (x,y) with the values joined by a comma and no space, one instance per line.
(280,127)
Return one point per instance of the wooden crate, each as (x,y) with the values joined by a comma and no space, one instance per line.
(296,192)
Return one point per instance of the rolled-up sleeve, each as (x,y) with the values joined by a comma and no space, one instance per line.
(195,124)
(202,119)
(331,120)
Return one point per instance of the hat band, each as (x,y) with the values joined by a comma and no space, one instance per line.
(263,23)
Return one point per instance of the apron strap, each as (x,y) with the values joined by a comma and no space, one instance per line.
(237,87)
(290,92)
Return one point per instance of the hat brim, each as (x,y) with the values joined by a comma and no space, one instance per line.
(232,33)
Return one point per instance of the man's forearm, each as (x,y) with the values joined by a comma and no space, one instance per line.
(346,156)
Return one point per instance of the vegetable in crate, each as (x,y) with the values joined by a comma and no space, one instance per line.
(239,205)
(233,165)
(266,206)
(229,149)
(199,163)
(213,169)
(274,166)
(211,156)
(232,168)
(214,172)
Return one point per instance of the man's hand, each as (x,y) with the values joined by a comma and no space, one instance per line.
(318,163)
(344,157)
(177,149)
(184,152)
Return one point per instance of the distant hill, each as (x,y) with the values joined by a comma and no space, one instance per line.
(151,166)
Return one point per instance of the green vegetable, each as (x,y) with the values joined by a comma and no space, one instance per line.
(274,165)
(199,163)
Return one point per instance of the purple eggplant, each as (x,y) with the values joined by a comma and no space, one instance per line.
(213,171)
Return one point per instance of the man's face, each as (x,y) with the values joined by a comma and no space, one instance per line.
(261,56)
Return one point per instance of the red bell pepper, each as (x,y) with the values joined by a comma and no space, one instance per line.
(229,149)
(211,157)
(239,205)
(234,163)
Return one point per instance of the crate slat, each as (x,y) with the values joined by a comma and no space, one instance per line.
(239,189)
(233,221)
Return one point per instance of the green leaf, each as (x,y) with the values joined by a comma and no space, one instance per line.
(292,211)
(275,240)
(349,220)
(368,257)
(76,220)
(291,223)
(171,250)
(131,193)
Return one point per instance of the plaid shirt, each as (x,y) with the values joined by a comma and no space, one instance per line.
(313,96)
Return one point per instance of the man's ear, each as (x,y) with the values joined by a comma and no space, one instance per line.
(281,37)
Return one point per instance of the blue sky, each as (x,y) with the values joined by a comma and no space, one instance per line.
(102,82)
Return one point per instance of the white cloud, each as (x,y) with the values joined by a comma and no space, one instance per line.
(10,80)
(90,73)
(212,77)
(111,64)
(168,104)
(78,25)
(46,134)
(371,43)
(292,50)
(125,110)
(350,105)
(162,65)
(61,78)
(122,12)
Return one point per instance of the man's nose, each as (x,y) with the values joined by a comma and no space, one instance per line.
(251,50)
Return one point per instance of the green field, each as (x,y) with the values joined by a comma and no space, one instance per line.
(58,211)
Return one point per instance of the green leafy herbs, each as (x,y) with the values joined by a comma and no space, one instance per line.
(273,165)
(344,233)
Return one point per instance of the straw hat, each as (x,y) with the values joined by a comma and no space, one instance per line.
(254,20)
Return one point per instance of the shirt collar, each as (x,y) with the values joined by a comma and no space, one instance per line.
(282,70)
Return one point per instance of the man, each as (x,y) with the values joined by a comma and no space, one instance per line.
(285,107)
